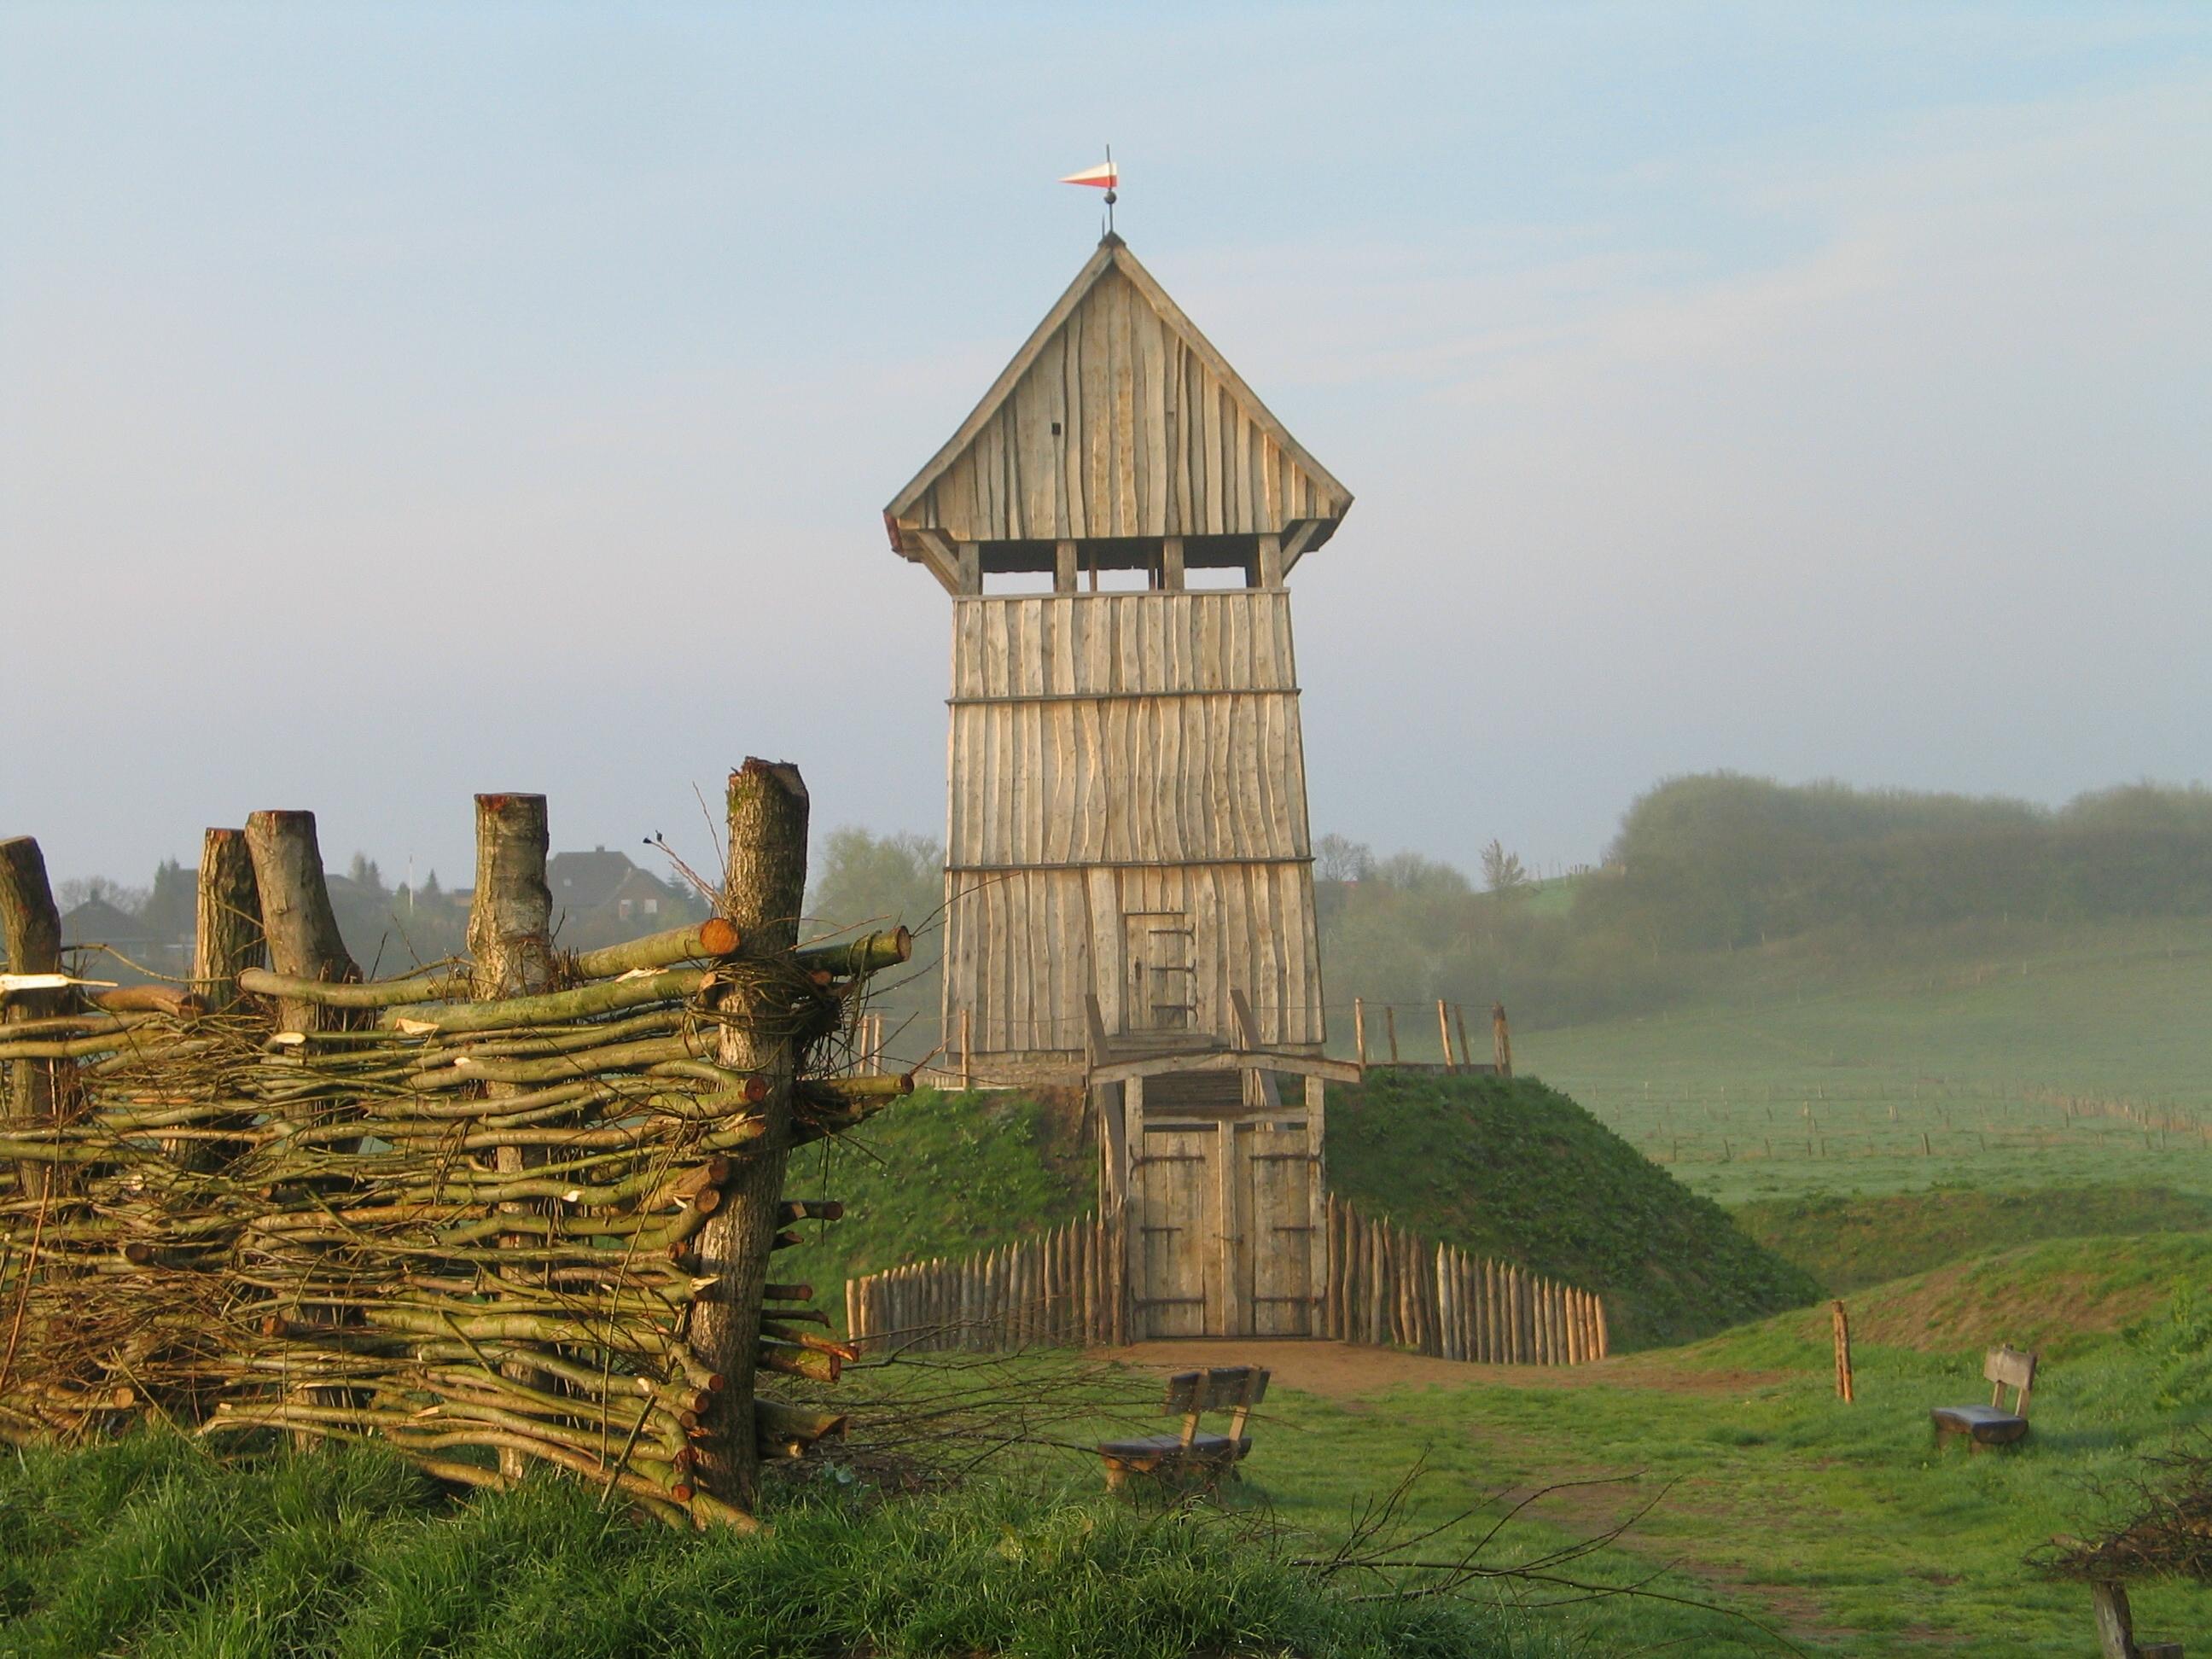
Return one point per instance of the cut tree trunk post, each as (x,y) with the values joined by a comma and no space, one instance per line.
(227,933)
(511,948)
(1458,1019)
(1390,1025)
(1501,1040)
(32,928)
(764,895)
(1359,1029)
(1443,1032)
(296,912)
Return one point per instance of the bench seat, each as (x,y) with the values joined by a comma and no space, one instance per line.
(1991,1425)
(1192,1457)
(1985,1424)
(1149,1448)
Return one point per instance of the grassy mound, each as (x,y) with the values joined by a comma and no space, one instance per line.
(1511,1169)
(1850,1242)
(937,1174)
(148,1547)
(1517,1170)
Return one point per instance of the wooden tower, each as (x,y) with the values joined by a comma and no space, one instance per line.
(1126,841)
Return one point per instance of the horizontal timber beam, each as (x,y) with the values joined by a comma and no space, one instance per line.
(1228,1060)
(1115,864)
(1126,696)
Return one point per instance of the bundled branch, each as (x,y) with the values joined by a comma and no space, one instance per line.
(2163,1528)
(481,1230)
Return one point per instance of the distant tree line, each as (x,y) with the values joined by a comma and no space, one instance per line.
(1719,862)
(1723,861)
(1702,867)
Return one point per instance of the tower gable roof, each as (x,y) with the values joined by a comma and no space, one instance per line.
(1117,418)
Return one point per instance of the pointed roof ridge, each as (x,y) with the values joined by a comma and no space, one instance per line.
(1111,254)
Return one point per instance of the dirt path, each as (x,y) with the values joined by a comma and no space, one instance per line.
(1342,1370)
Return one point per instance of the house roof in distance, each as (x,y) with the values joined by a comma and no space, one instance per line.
(96,922)
(1117,418)
(584,881)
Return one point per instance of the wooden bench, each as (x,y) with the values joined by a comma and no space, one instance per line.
(1991,1425)
(1191,1455)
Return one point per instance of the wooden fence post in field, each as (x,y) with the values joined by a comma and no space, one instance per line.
(226,932)
(1842,1323)
(32,927)
(510,939)
(1458,1019)
(1443,1031)
(1359,1029)
(304,942)
(1501,1040)
(763,896)
(1390,1024)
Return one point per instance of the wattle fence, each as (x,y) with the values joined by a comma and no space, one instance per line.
(1386,1287)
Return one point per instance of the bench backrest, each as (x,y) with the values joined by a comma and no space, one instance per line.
(1232,1388)
(2008,1368)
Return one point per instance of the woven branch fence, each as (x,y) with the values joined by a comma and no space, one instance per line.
(491,1230)
(1386,1288)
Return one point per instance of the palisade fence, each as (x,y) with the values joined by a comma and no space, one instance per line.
(1065,1288)
(507,1213)
(1386,1288)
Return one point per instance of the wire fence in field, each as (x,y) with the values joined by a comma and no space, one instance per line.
(1930,1119)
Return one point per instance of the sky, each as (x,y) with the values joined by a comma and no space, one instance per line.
(398,402)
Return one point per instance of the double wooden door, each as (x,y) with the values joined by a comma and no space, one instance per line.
(1224,1237)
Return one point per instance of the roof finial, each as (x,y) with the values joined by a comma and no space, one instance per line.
(1101,178)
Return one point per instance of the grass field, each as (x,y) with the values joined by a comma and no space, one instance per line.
(148,1547)
(1836,1525)
(2002,1143)
(2034,1059)
(1796,1521)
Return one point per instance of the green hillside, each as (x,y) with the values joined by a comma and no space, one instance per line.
(1513,1171)
(1847,1243)
(1517,1170)
(937,1174)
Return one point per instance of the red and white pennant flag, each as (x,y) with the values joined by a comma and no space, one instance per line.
(1102,177)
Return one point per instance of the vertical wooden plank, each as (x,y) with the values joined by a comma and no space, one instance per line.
(1233,1317)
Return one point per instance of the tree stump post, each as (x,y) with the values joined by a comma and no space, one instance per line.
(763,896)
(32,928)
(227,937)
(1501,1040)
(295,913)
(511,955)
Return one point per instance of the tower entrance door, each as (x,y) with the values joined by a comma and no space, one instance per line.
(1224,1237)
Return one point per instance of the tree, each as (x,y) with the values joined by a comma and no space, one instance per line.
(1337,857)
(172,911)
(365,874)
(1501,872)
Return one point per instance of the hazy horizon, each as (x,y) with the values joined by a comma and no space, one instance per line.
(1811,395)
